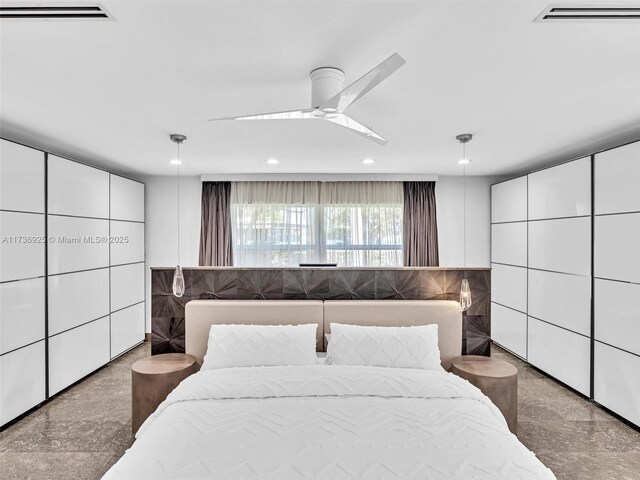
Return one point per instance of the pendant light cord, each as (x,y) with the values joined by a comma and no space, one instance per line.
(464,207)
(178,203)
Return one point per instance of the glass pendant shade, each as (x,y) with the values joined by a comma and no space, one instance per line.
(465,295)
(178,282)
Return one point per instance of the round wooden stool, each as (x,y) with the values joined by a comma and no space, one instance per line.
(153,378)
(497,379)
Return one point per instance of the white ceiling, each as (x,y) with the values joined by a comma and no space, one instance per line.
(110,92)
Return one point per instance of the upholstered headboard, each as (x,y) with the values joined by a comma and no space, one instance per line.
(402,313)
(201,314)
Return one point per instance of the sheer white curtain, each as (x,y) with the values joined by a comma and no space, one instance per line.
(362,223)
(274,223)
(287,223)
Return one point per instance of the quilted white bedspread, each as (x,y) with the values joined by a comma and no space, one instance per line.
(326,422)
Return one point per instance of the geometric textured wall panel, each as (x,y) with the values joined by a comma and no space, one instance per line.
(167,311)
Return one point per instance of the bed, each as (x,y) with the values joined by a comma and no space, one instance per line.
(326,421)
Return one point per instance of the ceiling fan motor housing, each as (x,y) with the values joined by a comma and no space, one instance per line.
(325,83)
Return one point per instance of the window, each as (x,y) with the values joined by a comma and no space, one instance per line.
(363,235)
(287,223)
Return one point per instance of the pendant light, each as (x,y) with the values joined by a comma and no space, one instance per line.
(178,277)
(465,291)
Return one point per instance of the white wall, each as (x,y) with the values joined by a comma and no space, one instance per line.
(162,217)
(449,202)
(161,225)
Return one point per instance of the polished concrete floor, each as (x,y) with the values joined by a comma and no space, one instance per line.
(84,430)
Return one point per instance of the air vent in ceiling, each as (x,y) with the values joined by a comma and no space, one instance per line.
(589,13)
(54,12)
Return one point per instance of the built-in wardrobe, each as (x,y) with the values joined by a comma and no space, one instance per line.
(565,253)
(71,273)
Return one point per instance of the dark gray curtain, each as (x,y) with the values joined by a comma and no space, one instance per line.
(215,228)
(420,241)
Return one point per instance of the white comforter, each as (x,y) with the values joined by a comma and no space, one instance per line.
(326,422)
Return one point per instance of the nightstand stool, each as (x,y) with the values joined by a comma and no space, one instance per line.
(497,379)
(153,378)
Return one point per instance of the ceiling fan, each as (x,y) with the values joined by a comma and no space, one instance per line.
(329,98)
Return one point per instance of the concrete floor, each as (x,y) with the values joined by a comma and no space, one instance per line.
(83,431)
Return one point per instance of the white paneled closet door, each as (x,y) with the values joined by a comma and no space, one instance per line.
(561,353)
(617,281)
(509,265)
(22,310)
(559,273)
(561,245)
(509,201)
(127,328)
(617,256)
(22,254)
(72,273)
(78,298)
(77,352)
(509,329)
(77,190)
(616,381)
(22,279)
(22,380)
(127,265)
(582,318)
(77,244)
(561,299)
(127,199)
(78,262)
(509,286)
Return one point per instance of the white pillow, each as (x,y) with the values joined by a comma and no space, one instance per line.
(260,345)
(406,347)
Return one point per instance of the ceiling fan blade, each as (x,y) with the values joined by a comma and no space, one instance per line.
(307,113)
(360,87)
(348,122)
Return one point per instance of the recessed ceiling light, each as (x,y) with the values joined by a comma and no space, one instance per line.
(273,161)
(175,161)
(368,161)
(464,161)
